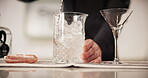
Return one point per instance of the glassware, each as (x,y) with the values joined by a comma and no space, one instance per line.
(69,36)
(116,18)
(5,41)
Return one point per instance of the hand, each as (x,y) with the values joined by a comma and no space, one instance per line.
(92,52)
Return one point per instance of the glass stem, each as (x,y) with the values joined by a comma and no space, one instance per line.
(116,51)
(116,34)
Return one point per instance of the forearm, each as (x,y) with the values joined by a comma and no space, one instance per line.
(105,40)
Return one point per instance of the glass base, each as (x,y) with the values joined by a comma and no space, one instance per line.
(111,62)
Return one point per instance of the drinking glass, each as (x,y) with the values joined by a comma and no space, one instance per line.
(116,18)
(5,41)
(69,37)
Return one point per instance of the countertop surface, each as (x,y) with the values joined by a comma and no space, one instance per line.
(6,72)
(101,71)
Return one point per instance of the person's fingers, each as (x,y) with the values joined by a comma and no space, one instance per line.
(97,60)
(87,45)
(93,57)
(90,52)
(85,55)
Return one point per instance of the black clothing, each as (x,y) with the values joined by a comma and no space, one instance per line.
(96,27)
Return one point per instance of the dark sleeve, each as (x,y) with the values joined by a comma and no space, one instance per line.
(68,5)
(118,3)
(104,38)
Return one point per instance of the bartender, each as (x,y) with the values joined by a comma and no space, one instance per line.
(99,43)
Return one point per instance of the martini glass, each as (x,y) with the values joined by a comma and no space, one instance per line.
(116,18)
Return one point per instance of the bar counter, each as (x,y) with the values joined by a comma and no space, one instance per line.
(72,73)
(12,71)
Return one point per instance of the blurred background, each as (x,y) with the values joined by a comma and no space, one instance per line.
(31,24)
